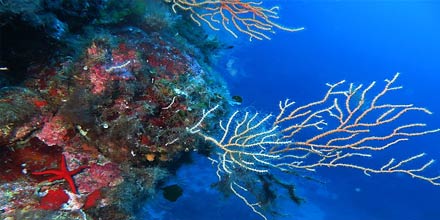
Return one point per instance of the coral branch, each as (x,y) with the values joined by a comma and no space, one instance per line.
(354,131)
(244,16)
(351,124)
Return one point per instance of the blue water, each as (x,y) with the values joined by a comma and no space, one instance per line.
(356,40)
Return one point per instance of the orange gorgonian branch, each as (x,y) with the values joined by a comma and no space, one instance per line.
(351,124)
(248,17)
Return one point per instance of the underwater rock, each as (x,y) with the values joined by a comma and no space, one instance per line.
(118,100)
(21,113)
(172,192)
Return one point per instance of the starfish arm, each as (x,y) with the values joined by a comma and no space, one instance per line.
(52,172)
(77,170)
(55,178)
(71,184)
(63,165)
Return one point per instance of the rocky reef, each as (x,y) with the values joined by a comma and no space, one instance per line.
(95,101)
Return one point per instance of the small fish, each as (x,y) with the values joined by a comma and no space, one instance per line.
(3,68)
(237,100)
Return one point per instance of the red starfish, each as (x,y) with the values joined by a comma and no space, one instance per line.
(63,173)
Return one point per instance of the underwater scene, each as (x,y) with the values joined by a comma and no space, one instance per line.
(220,109)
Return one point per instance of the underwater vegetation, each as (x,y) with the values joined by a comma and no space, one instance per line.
(102,101)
